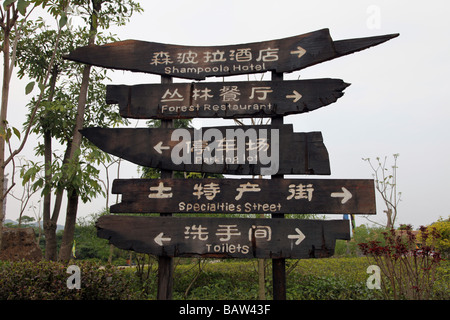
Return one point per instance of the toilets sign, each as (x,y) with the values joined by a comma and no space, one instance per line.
(224,237)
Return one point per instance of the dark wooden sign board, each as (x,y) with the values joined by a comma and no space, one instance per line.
(224,237)
(196,62)
(224,99)
(299,153)
(245,196)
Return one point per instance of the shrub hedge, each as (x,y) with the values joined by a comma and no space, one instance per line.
(47,280)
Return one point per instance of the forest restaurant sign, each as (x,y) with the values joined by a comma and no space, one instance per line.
(195,62)
(224,99)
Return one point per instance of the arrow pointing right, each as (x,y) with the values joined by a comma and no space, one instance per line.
(296,96)
(345,195)
(159,147)
(299,236)
(300,52)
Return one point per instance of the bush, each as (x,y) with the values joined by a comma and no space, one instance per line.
(47,280)
(441,241)
(409,267)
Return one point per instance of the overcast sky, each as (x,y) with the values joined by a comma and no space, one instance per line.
(397,101)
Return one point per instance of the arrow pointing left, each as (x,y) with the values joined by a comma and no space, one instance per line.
(159,239)
(159,147)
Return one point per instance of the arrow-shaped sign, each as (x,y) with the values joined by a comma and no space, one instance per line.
(299,236)
(241,150)
(159,239)
(345,195)
(240,196)
(159,147)
(224,237)
(224,99)
(194,62)
(296,96)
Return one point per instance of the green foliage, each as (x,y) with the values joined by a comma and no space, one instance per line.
(362,233)
(47,280)
(57,115)
(311,279)
(113,12)
(408,267)
(442,241)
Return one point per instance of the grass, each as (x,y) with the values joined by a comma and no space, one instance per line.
(310,279)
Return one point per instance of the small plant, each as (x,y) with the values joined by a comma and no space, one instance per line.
(409,266)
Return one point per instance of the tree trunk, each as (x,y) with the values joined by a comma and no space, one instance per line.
(49,223)
(69,227)
(3,114)
(75,145)
(50,240)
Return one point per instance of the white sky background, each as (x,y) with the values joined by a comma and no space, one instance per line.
(397,101)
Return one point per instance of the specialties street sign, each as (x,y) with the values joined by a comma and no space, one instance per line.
(245,150)
(198,62)
(224,99)
(224,237)
(245,196)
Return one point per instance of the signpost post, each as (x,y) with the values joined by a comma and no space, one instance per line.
(274,150)
(278,264)
(165,264)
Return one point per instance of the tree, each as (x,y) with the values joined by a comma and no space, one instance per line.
(102,13)
(386,185)
(55,121)
(14,15)
(63,117)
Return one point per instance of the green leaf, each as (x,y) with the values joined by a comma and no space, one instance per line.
(16,132)
(41,86)
(29,87)
(8,134)
(6,3)
(63,20)
(22,6)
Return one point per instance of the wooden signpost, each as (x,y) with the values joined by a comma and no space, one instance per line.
(194,62)
(245,196)
(273,150)
(224,99)
(243,150)
(224,237)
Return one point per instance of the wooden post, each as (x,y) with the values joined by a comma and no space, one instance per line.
(165,264)
(278,265)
